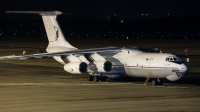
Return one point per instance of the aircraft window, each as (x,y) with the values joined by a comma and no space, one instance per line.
(175,59)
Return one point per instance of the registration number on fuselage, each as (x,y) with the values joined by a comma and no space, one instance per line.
(175,70)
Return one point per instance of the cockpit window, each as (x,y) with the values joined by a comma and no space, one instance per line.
(174,59)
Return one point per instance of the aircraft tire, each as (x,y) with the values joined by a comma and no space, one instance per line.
(90,78)
(96,78)
(154,82)
(103,78)
(160,82)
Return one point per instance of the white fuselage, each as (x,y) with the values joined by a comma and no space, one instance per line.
(135,63)
(141,64)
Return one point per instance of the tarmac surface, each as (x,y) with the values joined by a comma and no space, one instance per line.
(29,88)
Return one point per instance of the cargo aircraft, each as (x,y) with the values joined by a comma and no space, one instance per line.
(103,63)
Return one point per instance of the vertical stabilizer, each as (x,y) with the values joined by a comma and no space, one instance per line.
(57,42)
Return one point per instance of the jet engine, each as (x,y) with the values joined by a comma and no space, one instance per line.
(76,68)
(103,66)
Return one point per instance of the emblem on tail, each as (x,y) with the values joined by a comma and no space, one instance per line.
(57,33)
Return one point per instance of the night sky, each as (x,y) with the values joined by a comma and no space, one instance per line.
(101,9)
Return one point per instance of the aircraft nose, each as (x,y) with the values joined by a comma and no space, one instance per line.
(183,68)
(179,74)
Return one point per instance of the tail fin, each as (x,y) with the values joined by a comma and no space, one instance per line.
(57,42)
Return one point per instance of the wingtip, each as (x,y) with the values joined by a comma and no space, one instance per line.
(9,12)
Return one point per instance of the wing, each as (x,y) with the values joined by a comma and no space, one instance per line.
(43,55)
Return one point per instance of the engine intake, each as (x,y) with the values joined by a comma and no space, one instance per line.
(76,68)
(103,66)
(107,66)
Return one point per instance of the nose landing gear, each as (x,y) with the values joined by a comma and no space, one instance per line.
(157,82)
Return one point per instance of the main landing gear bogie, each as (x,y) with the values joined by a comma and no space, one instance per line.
(96,78)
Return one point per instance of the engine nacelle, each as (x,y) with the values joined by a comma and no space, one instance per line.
(76,68)
(103,66)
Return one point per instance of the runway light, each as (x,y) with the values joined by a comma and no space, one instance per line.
(122,35)
(142,14)
(122,21)
(146,14)
(104,35)
(168,14)
(133,32)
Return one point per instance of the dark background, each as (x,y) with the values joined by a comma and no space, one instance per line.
(101,9)
(106,18)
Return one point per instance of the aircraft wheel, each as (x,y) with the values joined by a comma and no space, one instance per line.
(160,82)
(96,78)
(154,82)
(103,78)
(90,78)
